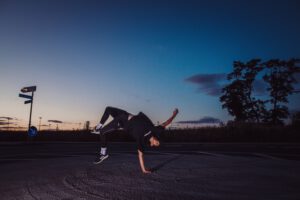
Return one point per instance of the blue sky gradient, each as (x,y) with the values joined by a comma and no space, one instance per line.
(137,55)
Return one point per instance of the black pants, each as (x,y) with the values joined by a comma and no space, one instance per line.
(120,120)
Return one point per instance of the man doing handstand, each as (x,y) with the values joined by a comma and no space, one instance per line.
(139,126)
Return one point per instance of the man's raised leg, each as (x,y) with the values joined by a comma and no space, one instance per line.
(109,111)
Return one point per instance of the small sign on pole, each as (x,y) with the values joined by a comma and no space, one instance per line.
(28,89)
(28,101)
(25,96)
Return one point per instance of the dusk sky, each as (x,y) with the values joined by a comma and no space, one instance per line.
(149,56)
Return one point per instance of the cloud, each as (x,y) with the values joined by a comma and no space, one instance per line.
(55,121)
(7,118)
(210,84)
(204,120)
(5,123)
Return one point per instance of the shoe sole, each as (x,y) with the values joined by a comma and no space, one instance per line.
(96,132)
(105,157)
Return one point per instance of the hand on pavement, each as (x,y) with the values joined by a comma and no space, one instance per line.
(147,171)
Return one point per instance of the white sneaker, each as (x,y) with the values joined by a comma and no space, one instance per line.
(99,126)
(97,129)
(100,158)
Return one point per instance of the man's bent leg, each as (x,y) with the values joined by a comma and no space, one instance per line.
(114,112)
(110,111)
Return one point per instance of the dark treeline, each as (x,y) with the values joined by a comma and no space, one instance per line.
(243,133)
(239,98)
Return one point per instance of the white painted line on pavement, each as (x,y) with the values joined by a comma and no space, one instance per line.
(266,156)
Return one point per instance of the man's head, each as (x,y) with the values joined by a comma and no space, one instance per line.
(154,142)
(156,133)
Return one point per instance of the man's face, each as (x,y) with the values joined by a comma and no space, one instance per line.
(154,142)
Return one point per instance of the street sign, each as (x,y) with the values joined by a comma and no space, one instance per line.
(25,96)
(28,89)
(32,89)
(28,101)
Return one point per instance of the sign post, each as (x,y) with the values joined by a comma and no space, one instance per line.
(31,89)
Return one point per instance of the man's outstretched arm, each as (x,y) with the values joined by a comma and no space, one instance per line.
(142,164)
(166,123)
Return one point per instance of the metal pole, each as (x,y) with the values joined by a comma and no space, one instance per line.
(30,112)
(40,123)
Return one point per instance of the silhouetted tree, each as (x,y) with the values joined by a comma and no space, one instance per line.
(255,108)
(280,78)
(237,96)
(234,98)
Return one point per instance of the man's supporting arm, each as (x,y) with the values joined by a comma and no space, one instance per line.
(142,164)
(166,123)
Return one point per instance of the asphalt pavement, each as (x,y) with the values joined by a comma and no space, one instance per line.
(180,171)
